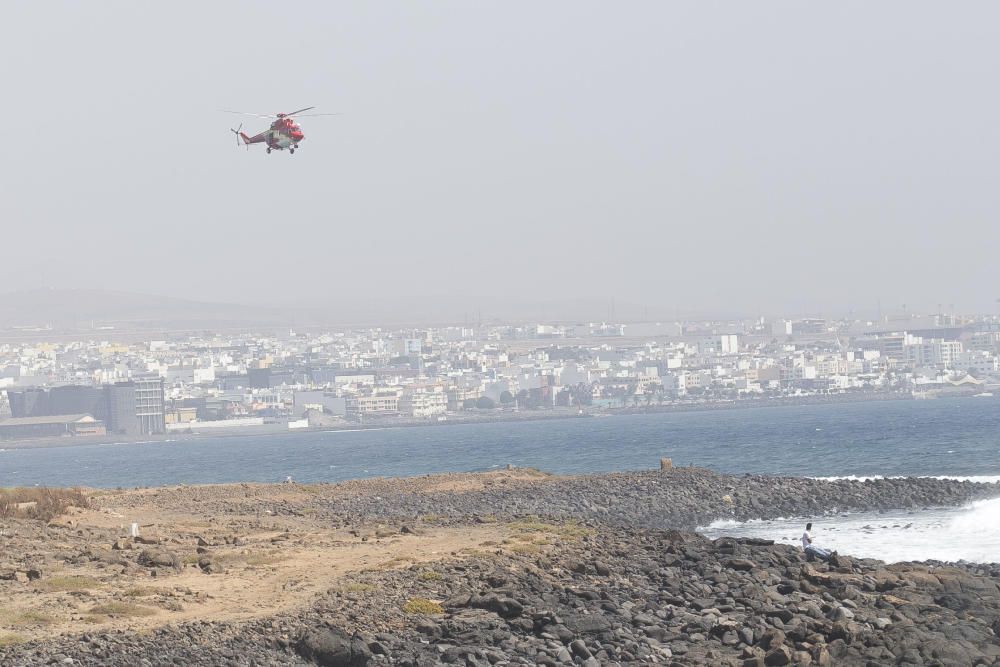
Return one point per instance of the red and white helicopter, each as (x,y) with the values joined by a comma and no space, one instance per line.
(283,133)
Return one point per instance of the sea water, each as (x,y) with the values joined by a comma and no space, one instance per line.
(946,437)
(967,533)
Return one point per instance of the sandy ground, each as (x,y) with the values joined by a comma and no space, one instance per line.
(270,563)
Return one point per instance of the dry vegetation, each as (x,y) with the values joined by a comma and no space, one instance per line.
(121,610)
(144,591)
(41,504)
(422,606)
(355,587)
(66,584)
(24,618)
(568,530)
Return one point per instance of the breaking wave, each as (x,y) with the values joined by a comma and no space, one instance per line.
(967,533)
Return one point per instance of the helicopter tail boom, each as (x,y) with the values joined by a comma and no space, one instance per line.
(241,135)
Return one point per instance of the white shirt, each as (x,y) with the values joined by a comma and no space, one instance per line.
(806,539)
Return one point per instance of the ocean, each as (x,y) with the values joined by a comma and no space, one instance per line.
(954,534)
(954,437)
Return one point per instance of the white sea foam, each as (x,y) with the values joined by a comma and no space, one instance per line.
(970,533)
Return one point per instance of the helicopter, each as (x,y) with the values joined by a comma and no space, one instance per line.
(283,133)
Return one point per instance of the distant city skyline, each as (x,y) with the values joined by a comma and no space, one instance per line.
(105,385)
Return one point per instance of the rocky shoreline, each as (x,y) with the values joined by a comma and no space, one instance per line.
(592,570)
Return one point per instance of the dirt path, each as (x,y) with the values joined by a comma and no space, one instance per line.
(264,573)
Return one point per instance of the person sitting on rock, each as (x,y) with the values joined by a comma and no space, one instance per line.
(812,552)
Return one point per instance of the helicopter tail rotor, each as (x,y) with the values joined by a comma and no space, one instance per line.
(240,135)
(237,133)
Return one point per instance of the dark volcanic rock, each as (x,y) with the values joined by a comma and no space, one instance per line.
(615,581)
(209,566)
(505,607)
(675,498)
(159,557)
(332,647)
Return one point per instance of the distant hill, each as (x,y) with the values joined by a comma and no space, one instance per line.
(69,310)
(89,309)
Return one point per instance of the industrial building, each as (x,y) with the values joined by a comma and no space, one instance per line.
(149,405)
(22,428)
(135,407)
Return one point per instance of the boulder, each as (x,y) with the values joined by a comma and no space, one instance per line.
(502,606)
(842,631)
(950,653)
(159,557)
(842,614)
(771,639)
(802,658)
(579,649)
(821,656)
(208,566)
(726,545)
(779,655)
(592,624)
(332,647)
(426,626)
(740,564)
(784,614)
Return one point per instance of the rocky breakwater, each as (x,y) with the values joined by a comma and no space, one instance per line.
(678,498)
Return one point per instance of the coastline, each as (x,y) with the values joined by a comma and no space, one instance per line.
(454,420)
(510,567)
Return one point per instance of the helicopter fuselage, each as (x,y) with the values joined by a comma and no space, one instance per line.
(284,132)
(279,142)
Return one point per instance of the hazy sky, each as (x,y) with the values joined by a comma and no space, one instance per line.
(715,156)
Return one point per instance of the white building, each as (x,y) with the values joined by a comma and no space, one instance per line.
(379,402)
(675,384)
(976,361)
(408,347)
(932,352)
(424,401)
(719,344)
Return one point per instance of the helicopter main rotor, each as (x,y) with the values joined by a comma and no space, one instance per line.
(275,116)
